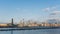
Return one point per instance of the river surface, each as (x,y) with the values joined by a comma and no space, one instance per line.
(40,31)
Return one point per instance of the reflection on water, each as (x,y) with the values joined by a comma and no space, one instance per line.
(41,31)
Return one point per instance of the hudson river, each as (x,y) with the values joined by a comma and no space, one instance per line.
(40,31)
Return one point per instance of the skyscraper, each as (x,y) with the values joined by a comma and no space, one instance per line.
(12,22)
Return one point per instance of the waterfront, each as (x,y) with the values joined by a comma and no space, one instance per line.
(29,16)
(40,31)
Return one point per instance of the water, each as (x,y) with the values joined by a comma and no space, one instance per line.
(41,31)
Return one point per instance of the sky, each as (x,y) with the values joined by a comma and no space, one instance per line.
(39,10)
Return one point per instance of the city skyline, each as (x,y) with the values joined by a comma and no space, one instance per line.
(29,10)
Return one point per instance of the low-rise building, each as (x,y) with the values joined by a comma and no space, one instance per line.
(3,24)
(33,24)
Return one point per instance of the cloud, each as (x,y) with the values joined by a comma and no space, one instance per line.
(50,8)
(46,9)
(55,12)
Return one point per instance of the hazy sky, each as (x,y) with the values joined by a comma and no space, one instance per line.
(29,9)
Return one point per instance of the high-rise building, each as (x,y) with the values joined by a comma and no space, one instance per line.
(12,22)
